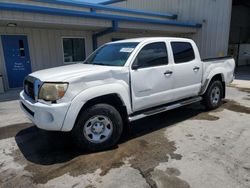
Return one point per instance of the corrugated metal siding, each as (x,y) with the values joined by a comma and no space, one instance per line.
(52,19)
(215,15)
(164,29)
(45,46)
(127,35)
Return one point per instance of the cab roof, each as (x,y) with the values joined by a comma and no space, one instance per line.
(146,39)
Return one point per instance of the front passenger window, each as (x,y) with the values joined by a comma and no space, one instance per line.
(154,54)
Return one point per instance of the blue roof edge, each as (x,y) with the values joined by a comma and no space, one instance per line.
(75,13)
(108,8)
(110,2)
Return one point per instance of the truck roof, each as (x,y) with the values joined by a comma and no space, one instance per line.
(145,39)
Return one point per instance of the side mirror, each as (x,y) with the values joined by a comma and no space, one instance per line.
(135,65)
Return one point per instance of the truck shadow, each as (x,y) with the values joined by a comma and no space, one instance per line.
(48,148)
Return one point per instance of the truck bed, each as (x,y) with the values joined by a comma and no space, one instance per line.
(222,65)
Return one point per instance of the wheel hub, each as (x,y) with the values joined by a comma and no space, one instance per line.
(215,95)
(98,129)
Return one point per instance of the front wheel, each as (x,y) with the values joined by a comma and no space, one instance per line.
(98,128)
(213,95)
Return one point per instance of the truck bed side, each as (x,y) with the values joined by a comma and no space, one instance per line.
(222,66)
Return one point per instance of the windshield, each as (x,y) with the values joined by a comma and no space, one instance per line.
(114,54)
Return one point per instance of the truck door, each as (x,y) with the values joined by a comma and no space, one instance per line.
(187,70)
(151,77)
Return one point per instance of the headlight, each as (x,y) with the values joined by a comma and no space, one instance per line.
(52,91)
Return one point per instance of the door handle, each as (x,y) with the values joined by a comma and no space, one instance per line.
(168,72)
(196,68)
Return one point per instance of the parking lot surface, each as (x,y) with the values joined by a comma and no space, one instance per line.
(186,147)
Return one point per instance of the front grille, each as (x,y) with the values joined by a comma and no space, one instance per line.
(29,87)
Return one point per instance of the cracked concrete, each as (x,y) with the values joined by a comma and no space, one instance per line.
(217,154)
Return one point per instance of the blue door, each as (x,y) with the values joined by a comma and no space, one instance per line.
(17,59)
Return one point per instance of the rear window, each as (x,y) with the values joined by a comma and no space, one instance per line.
(183,52)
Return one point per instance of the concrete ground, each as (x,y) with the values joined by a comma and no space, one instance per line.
(186,147)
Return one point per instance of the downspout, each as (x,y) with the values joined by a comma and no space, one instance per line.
(112,29)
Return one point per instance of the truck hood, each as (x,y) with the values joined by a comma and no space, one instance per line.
(71,72)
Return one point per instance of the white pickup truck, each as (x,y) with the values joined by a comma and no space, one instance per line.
(121,82)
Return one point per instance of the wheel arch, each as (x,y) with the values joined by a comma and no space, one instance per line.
(112,99)
(208,81)
(113,94)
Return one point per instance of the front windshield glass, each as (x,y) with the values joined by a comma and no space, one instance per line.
(114,54)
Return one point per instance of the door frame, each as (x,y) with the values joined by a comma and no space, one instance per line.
(196,59)
(3,68)
(133,56)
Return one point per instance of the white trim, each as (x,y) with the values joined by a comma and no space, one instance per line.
(72,37)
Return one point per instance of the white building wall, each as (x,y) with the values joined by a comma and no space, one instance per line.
(125,35)
(215,15)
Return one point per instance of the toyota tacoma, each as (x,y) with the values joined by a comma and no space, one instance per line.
(121,82)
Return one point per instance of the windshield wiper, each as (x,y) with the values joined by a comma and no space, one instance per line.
(101,64)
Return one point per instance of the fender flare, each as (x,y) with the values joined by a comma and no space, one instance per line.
(82,98)
(218,71)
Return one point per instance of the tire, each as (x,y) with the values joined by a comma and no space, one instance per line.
(213,95)
(98,128)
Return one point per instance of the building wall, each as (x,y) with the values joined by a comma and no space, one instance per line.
(46,18)
(124,35)
(215,15)
(212,38)
(45,46)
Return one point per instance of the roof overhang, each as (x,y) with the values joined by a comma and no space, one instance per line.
(108,2)
(108,8)
(94,15)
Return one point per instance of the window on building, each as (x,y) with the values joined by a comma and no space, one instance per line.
(183,52)
(74,50)
(154,54)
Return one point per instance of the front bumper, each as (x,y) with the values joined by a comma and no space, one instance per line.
(45,116)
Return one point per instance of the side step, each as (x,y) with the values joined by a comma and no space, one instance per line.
(164,108)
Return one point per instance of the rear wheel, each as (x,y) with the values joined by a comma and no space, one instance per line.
(98,127)
(213,95)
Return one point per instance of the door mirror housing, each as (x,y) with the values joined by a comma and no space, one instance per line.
(135,64)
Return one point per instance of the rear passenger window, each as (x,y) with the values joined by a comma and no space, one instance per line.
(183,52)
(154,54)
